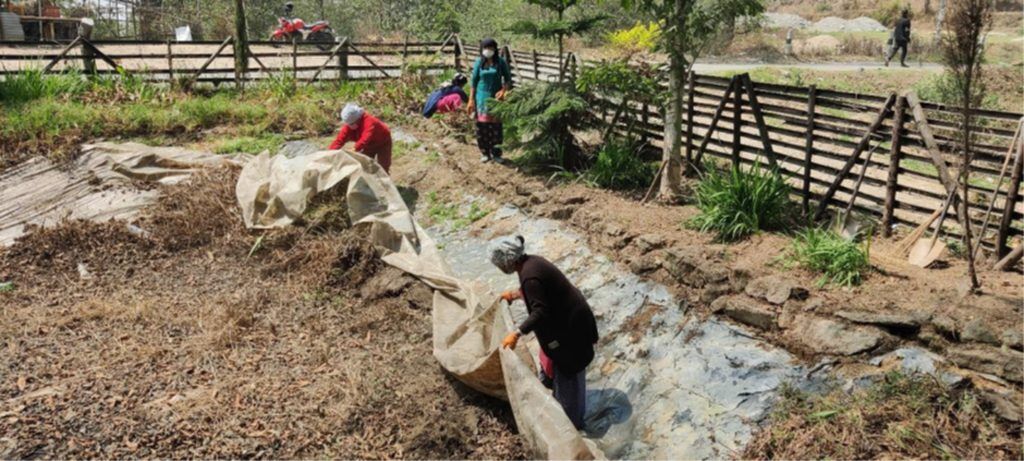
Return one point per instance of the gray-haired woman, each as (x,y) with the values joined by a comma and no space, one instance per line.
(558,314)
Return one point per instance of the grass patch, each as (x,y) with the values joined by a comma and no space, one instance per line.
(840,261)
(898,417)
(619,166)
(737,203)
(440,212)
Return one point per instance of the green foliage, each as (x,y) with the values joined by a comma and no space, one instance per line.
(687,33)
(637,39)
(540,118)
(619,166)
(737,203)
(620,80)
(942,88)
(840,261)
(279,84)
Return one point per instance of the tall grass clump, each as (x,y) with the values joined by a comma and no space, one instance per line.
(737,203)
(840,261)
(32,84)
(619,166)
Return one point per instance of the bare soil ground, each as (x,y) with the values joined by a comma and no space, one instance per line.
(180,344)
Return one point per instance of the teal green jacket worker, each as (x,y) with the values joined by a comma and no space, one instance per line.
(491,79)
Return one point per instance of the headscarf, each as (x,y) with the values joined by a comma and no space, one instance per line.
(507,251)
(351,114)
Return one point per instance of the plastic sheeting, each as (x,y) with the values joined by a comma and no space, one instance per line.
(468,322)
(102,183)
(664,384)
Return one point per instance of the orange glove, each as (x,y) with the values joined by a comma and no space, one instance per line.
(510,341)
(501,95)
(511,295)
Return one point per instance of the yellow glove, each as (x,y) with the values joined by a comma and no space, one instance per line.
(510,341)
(511,295)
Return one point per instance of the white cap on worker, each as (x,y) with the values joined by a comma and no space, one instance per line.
(351,114)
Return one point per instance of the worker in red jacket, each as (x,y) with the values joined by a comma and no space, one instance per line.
(372,136)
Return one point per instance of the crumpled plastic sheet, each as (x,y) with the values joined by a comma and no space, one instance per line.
(99,185)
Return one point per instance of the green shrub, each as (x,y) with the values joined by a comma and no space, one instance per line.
(840,261)
(737,203)
(619,166)
(540,119)
(942,89)
(249,144)
(887,12)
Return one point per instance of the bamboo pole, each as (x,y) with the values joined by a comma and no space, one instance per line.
(714,121)
(863,144)
(762,127)
(999,183)
(1011,200)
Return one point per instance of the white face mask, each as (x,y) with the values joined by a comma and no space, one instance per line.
(488,53)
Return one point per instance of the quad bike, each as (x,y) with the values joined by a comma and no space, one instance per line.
(319,32)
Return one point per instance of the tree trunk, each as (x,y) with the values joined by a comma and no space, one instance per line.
(965,171)
(940,16)
(241,44)
(671,153)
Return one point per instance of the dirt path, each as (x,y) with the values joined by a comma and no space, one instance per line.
(180,345)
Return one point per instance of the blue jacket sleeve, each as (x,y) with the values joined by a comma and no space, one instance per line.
(506,73)
(431,106)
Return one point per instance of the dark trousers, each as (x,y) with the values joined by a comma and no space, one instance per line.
(902,46)
(489,137)
(571,393)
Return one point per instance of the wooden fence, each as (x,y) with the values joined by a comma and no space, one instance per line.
(888,156)
(213,62)
(892,156)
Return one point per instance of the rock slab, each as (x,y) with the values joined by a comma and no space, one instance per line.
(829,336)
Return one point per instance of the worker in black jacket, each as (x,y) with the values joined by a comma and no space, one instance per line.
(558,314)
(900,38)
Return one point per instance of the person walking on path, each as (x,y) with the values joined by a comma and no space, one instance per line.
(558,314)
(491,79)
(372,136)
(900,38)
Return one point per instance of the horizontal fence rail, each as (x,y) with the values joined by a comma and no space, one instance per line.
(213,61)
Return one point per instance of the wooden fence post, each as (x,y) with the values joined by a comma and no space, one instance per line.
(1012,196)
(690,85)
(170,64)
(343,60)
(737,121)
(895,154)
(295,61)
(925,129)
(536,66)
(812,96)
(457,51)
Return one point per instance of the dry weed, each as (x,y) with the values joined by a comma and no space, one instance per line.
(898,417)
